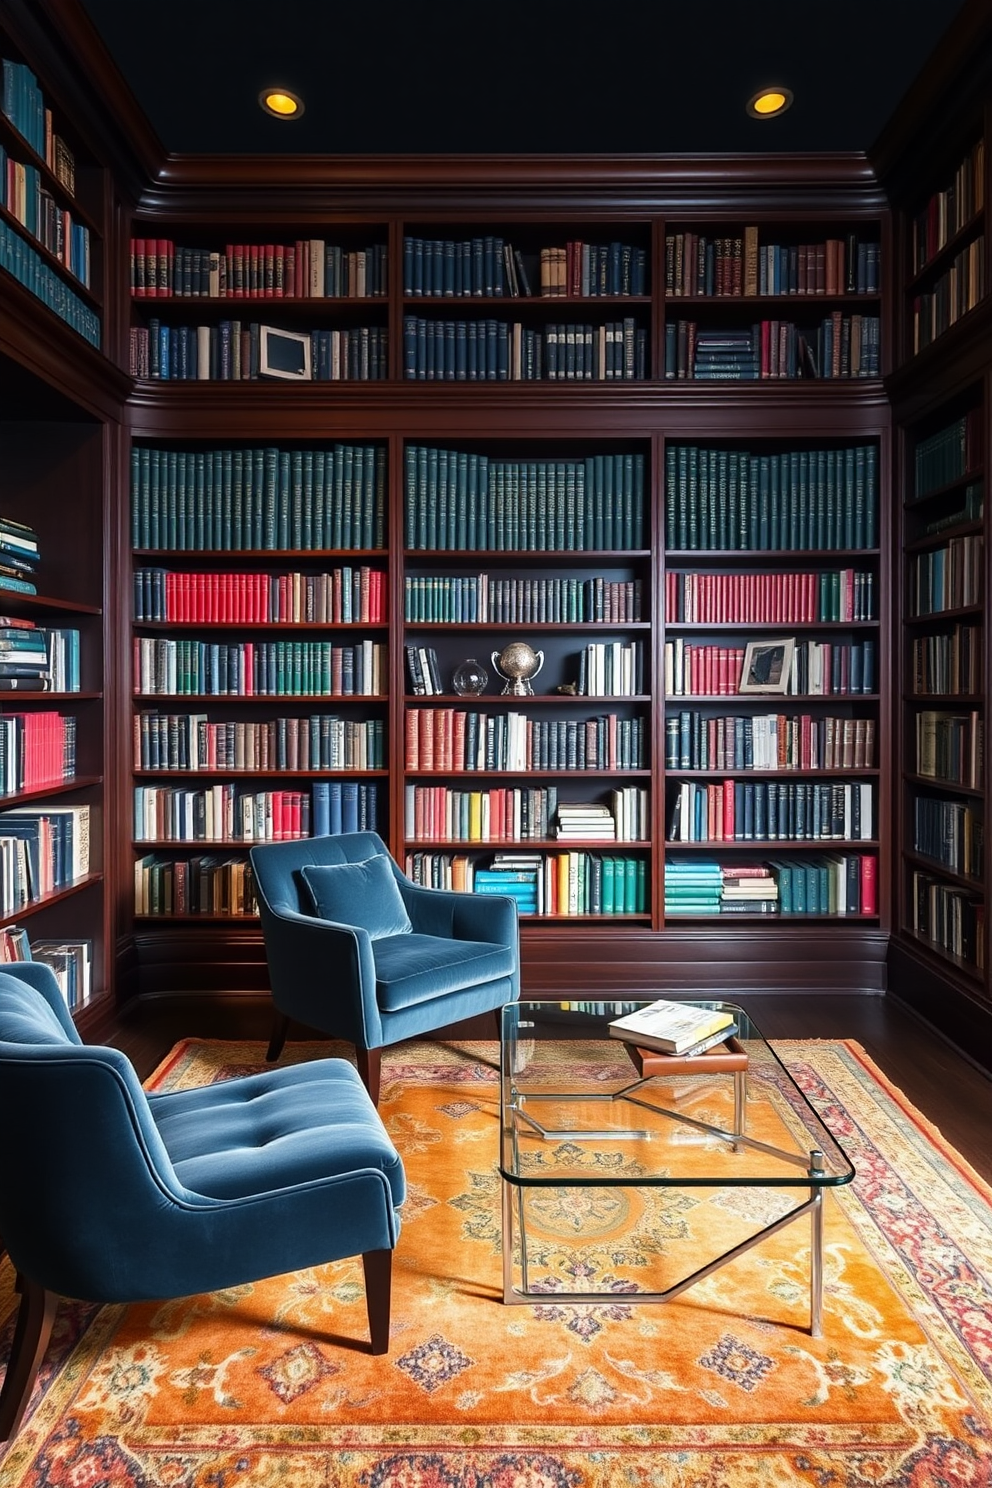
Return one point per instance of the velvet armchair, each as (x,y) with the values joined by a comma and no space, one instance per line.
(108,1194)
(357,951)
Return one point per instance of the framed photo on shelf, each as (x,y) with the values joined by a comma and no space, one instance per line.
(767,665)
(284,354)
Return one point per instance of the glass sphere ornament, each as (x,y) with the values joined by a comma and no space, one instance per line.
(470,679)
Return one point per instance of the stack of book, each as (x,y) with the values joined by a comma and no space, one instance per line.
(674,1027)
(513,874)
(24,658)
(72,963)
(577,820)
(693,888)
(748,888)
(18,556)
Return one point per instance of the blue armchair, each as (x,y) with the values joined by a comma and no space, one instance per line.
(111,1195)
(359,952)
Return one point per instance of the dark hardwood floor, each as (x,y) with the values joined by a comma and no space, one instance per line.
(952,1092)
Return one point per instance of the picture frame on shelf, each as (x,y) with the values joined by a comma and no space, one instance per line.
(767,665)
(283,354)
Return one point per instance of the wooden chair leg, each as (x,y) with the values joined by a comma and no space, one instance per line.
(32,1331)
(378,1266)
(370,1069)
(280,1027)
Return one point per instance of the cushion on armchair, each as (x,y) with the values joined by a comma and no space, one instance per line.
(364,894)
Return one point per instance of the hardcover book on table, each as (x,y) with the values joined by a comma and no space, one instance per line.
(672,1027)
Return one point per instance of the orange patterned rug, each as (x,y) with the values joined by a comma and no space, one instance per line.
(721,1388)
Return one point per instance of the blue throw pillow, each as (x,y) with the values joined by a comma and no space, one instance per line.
(364,894)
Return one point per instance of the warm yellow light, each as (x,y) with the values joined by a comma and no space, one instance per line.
(769,102)
(282,104)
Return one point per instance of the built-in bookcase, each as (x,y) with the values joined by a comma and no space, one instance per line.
(749,302)
(51,201)
(259,662)
(772,676)
(941,388)
(544,483)
(944,711)
(55,729)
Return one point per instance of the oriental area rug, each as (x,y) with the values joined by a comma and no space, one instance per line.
(723,1387)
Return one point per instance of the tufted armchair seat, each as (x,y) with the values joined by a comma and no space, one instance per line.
(108,1194)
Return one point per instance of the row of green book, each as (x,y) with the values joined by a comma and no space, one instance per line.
(744,500)
(462,500)
(263,498)
(948,454)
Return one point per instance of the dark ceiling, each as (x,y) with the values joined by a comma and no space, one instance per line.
(519,76)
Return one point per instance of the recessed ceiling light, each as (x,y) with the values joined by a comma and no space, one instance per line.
(768,103)
(280,103)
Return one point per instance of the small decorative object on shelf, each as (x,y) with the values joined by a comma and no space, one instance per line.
(517,664)
(470,678)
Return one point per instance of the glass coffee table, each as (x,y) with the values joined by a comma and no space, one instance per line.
(618,1164)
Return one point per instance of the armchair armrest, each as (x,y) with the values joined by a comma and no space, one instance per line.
(488,917)
(314,961)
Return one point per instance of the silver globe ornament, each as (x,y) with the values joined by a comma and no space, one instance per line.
(517,664)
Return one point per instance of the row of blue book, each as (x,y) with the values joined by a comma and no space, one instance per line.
(487,265)
(501,351)
(231,352)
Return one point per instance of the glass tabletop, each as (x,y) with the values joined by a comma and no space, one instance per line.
(580,1107)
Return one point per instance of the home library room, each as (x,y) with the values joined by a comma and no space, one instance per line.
(703,576)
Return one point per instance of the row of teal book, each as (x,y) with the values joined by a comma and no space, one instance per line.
(742,500)
(261,499)
(459,500)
